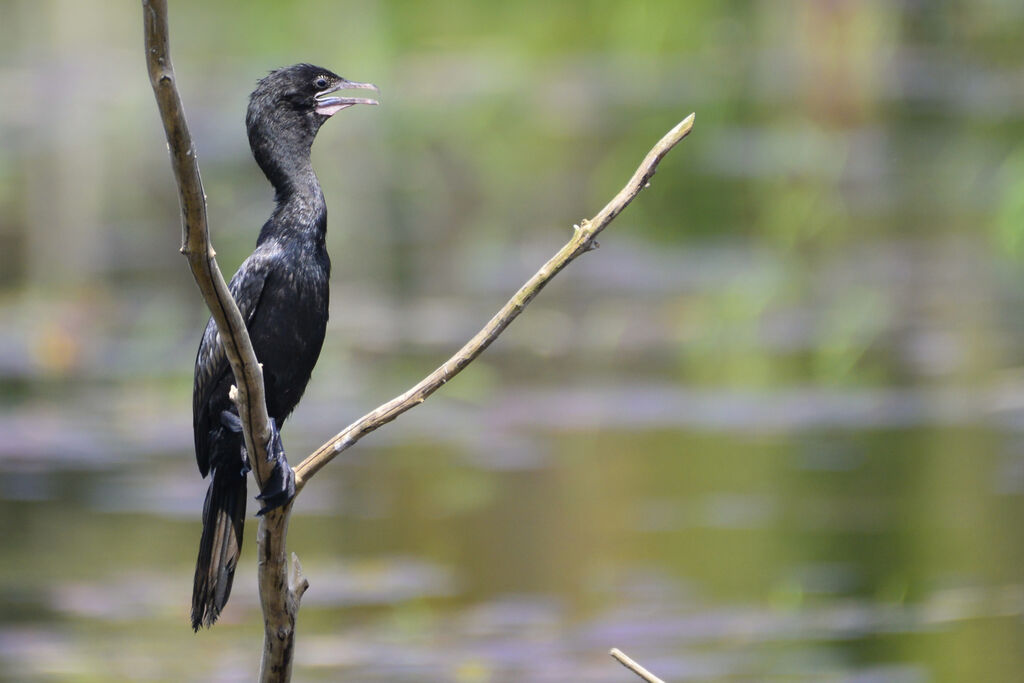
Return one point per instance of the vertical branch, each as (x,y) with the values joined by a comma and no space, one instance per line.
(195,241)
(280,593)
(279,598)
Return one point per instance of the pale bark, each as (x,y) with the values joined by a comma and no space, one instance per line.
(624,659)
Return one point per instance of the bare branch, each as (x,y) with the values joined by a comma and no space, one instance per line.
(281,589)
(280,593)
(279,597)
(625,660)
(582,241)
(195,241)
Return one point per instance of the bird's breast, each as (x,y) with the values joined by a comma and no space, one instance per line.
(289,330)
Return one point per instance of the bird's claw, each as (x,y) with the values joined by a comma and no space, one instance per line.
(275,448)
(279,489)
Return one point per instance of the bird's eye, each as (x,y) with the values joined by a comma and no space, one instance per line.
(320,82)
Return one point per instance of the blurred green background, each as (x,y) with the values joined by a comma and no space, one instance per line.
(772,430)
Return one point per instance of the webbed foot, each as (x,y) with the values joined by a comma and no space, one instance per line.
(279,489)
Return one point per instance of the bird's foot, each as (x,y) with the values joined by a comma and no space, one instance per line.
(279,489)
(232,423)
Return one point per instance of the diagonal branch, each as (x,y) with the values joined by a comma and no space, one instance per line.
(624,659)
(582,241)
(195,242)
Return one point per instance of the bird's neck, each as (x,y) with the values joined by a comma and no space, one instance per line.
(287,166)
(300,210)
(299,215)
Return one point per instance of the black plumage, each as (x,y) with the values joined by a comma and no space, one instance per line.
(282,293)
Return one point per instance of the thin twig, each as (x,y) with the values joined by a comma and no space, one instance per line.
(582,241)
(627,662)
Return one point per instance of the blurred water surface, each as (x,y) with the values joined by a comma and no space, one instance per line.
(772,430)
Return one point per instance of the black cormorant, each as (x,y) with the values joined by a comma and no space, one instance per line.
(282,293)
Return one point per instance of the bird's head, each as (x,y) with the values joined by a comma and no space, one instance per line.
(287,109)
(299,99)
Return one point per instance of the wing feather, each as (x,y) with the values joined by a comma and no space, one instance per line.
(213,376)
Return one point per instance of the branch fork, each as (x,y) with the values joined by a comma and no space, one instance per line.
(281,585)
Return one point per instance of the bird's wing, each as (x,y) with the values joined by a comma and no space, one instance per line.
(212,366)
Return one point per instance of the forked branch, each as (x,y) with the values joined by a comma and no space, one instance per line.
(281,589)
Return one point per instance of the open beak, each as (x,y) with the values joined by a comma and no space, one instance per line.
(328,105)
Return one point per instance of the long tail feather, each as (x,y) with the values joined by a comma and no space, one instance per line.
(223,521)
